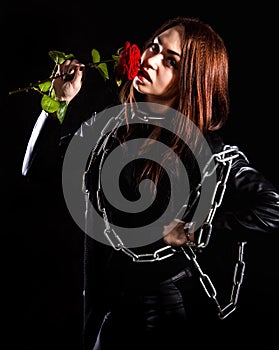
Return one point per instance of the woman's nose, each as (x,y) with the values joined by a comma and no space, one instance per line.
(153,61)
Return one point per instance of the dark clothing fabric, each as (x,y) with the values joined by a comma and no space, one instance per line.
(130,302)
(139,318)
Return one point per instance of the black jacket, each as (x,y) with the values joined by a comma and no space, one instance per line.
(250,205)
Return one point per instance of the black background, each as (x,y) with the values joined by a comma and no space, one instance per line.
(41,246)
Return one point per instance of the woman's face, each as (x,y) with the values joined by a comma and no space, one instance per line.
(160,66)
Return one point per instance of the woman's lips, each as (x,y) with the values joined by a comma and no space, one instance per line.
(143,75)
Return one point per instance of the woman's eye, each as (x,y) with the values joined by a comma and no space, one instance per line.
(155,47)
(172,62)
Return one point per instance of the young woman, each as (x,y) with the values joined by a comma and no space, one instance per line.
(146,282)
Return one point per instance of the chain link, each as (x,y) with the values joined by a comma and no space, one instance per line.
(208,285)
(223,158)
(116,242)
(223,161)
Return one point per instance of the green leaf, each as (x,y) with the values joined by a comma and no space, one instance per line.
(44,87)
(49,104)
(59,57)
(118,82)
(61,112)
(95,56)
(103,69)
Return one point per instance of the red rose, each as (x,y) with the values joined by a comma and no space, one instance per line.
(129,62)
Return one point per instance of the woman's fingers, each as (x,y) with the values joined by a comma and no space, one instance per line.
(68,80)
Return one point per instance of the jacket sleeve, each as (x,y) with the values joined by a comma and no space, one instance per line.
(47,146)
(43,152)
(250,202)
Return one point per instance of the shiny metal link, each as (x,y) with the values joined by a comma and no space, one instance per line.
(208,285)
(222,161)
(158,255)
(112,124)
(117,244)
(226,311)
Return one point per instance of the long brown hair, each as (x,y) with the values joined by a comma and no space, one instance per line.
(203,81)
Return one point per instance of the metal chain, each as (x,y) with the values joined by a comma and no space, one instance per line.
(110,127)
(223,161)
(208,285)
(224,158)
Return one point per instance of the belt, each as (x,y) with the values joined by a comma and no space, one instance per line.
(184,273)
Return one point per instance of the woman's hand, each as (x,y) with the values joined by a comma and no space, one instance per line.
(69,84)
(175,234)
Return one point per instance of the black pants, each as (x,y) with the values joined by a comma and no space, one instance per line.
(161,318)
